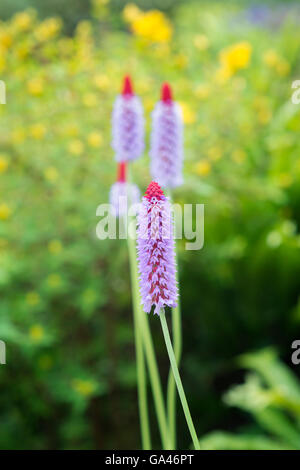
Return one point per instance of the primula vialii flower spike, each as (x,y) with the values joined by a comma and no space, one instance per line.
(123,194)
(156,253)
(167,141)
(127,124)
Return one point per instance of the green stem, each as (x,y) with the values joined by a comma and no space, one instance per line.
(141,372)
(178,380)
(177,344)
(143,326)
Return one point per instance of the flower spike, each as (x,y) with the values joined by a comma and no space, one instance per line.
(127,124)
(167,140)
(123,194)
(156,253)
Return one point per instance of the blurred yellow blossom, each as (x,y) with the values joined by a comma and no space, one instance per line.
(271,57)
(18,135)
(153,26)
(37,131)
(201,42)
(131,12)
(285,179)
(22,21)
(283,68)
(75,147)
(3,163)
(189,116)
(71,130)
(203,168)
(83,387)
(214,153)
(238,155)
(5,39)
(101,81)
(203,130)
(235,57)
(47,29)
(54,280)
(90,100)
(36,333)
(203,91)
(95,139)
(55,246)
(32,298)
(51,174)
(35,86)
(5,211)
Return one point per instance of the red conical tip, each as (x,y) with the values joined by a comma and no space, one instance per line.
(127,86)
(166,93)
(154,190)
(121,178)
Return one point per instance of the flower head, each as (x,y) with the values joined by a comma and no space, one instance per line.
(127,124)
(167,140)
(121,192)
(156,251)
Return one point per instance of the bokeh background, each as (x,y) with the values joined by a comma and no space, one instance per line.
(65,311)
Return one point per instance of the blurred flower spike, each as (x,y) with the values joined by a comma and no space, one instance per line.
(122,193)
(127,124)
(151,26)
(167,141)
(156,255)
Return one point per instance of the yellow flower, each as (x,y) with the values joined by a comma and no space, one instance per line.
(203,91)
(55,246)
(283,68)
(3,163)
(264,115)
(101,81)
(95,139)
(5,211)
(18,135)
(90,100)
(203,168)
(152,26)
(131,12)
(36,333)
(32,298)
(51,174)
(71,130)
(239,155)
(75,147)
(189,116)
(47,29)
(22,21)
(83,387)
(45,362)
(54,280)
(35,86)
(2,59)
(203,130)
(37,131)
(235,57)
(201,42)
(214,153)
(271,58)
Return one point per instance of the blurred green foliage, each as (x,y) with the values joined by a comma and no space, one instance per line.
(271,393)
(65,310)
